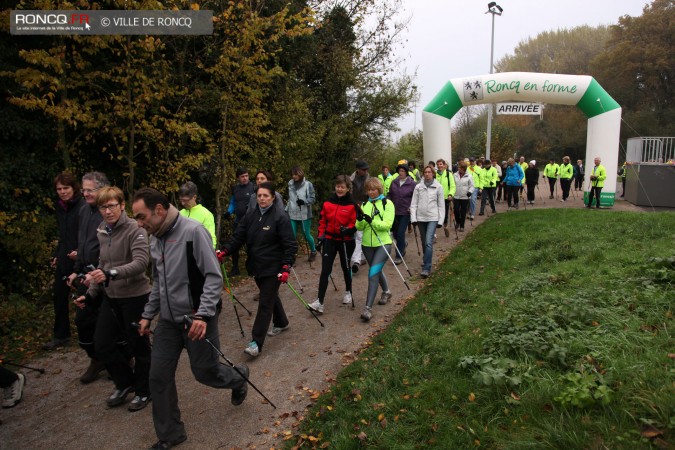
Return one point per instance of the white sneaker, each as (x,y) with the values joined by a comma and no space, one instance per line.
(384,298)
(316,306)
(347,299)
(12,394)
(277,330)
(252,348)
(366,314)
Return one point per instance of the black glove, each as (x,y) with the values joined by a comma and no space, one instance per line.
(359,213)
(414,224)
(300,202)
(344,231)
(367,218)
(439,225)
(320,244)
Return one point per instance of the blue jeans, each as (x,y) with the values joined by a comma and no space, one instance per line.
(427,230)
(472,203)
(399,229)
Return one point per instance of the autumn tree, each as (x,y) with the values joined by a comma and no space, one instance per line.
(637,69)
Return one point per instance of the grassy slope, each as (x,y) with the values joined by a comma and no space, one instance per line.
(543,329)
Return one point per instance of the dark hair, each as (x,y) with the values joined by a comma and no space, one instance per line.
(267,174)
(441,160)
(297,170)
(189,189)
(67,179)
(344,179)
(411,164)
(269,186)
(97,177)
(432,164)
(241,171)
(151,197)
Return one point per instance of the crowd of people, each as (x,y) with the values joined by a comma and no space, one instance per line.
(103,257)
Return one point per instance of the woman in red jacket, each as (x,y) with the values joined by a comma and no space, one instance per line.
(336,236)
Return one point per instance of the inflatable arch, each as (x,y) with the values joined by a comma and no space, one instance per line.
(604,114)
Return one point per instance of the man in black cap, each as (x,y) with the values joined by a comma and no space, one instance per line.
(359,178)
(241,195)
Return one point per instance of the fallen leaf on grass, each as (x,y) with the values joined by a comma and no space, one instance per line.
(362,436)
(650,432)
(515,396)
(472,397)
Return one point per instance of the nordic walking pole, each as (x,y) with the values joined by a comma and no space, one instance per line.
(522,200)
(237,300)
(452,215)
(402,259)
(540,195)
(9,362)
(388,255)
(302,290)
(349,267)
(332,281)
(188,321)
(416,241)
(302,300)
(229,291)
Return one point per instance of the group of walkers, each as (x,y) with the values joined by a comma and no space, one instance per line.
(103,255)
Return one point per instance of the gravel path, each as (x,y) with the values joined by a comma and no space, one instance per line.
(59,412)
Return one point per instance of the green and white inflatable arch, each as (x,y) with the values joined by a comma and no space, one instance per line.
(603,112)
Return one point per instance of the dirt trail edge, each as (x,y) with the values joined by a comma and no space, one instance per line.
(59,412)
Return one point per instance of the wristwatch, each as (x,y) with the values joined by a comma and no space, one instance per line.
(111,274)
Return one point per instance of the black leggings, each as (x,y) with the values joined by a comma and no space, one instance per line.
(460,207)
(512,195)
(330,249)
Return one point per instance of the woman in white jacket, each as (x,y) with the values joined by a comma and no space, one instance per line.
(465,188)
(427,211)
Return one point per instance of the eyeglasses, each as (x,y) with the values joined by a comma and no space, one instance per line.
(110,207)
(89,191)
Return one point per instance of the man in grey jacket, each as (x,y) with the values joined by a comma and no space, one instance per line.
(186,281)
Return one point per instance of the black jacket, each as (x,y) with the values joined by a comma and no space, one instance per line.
(242,194)
(532,176)
(88,247)
(269,240)
(67,220)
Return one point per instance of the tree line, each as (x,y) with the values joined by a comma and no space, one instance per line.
(279,83)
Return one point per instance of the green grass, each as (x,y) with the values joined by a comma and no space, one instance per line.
(543,329)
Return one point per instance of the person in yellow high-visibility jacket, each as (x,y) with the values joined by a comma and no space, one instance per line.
(598,177)
(566,174)
(551,173)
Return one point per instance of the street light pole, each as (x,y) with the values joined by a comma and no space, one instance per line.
(495,10)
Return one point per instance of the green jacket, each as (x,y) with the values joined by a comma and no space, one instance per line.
(382,179)
(447,182)
(489,177)
(475,171)
(551,170)
(203,216)
(387,183)
(380,225)
(600,172)
(566,171)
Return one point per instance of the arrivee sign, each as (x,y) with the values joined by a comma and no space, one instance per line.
(534,109)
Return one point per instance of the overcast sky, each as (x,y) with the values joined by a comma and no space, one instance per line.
(451,38)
